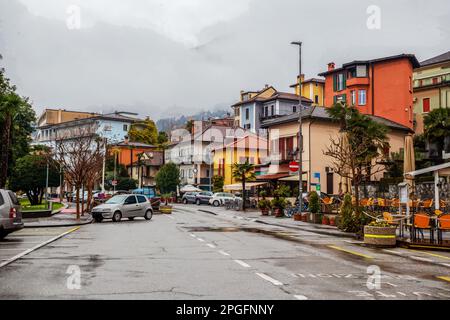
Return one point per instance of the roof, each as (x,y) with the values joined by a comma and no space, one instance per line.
(435,60)
(276,95)
(321,113)
(111,116)
(134,144)
(275,176)
(309,80)
(411,58)
(262,145)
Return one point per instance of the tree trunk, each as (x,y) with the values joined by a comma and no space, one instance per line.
(77,197)
(5,151)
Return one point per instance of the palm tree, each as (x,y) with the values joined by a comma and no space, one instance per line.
(437,124)
(243,172)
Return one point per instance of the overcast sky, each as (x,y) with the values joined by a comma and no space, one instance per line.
(171,57)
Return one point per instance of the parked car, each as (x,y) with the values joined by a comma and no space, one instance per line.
(203,197)
(218,199)
(150,193)
(124,206)
(10,213)
(189,197)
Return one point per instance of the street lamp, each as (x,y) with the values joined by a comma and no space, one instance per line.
(300,136)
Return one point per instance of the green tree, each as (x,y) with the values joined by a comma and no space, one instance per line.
(126,184)
(243,172)
(144,132)
(162,137)
(30,174)
(190,126)
(218,182)
(168,178)
(437,126)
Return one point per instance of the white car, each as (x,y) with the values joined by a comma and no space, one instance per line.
(218,199)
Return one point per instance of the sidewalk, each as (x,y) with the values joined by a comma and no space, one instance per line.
(65,218)
(252,215)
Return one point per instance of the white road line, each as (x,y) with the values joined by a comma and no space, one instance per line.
(200,239)
(271,280)
(421,259)
(242,263)
(193,235)
(393,252)
(391,284)
(210,245)
(446,264)
(20,255)
(11,249)
(300,297)
(294,275)
(223,253)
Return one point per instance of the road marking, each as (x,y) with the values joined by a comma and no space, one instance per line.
(193,235)
(242,263)
(20,255)
(200,239)
(294,275)
(391,284)
(271,280)
(394,252)
(444,278)
(224,253)
(210,245)
(421,259)
(11,249)
(300,297)
(431,254)
(446,264)
(351,252)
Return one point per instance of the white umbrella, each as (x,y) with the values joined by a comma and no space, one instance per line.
(190,188)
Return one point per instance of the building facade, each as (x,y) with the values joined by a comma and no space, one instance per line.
(313,89)
(255,107)
(379,87)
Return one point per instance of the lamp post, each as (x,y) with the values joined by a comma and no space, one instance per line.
(300,136)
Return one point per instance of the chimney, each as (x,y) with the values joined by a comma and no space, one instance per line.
(331,66)
(267,86)
(302,77)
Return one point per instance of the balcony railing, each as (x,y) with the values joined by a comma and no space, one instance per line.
(430,81)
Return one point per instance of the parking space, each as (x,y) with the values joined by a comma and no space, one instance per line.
(25,240)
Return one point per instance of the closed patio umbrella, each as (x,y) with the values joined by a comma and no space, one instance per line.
(346,182)
(409,160)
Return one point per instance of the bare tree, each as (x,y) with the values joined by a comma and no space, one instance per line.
(80,152)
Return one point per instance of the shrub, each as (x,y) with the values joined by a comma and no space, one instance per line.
(278,203)
(264,204)
(314,202)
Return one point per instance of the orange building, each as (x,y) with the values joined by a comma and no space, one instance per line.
(379,87)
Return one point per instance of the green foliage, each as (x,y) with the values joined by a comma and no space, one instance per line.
(314,202)
(437,124)
(162,138)
(168,178)
(126,184)
(190,126)
(29,176)
(243,172)
(144,132)
(278,203)
(264,204)
(380,223)
(282,191)
(218,182)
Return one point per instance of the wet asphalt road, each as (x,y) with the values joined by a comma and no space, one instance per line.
(196,255)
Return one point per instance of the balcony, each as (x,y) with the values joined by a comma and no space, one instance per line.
(432,81)
(358,82)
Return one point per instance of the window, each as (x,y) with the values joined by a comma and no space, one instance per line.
(247,114)
(362,97)
(130,200)
(248,126)
(426,105)
(2,201)
(435,80)
(125,127)
(207,173)
(361,71)
(353,101)
(13,198)
(294,109)
(339,82)
(237,112)
(272,110)
(316,99)
(266,111)
(190,174)
(142,199)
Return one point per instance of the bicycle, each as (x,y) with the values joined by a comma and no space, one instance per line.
(291,210)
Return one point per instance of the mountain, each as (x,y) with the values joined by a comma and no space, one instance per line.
(168,124)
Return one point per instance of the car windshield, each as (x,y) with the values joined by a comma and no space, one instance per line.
(116,200)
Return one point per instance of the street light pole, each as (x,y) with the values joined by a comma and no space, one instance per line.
(104,166)
(46,185)
(300,135)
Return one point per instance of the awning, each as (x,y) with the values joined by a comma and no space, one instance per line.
(295,177)
(238,186)
(190,188)
(275,176)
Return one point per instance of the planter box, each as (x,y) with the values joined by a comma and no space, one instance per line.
(166,209)
(265,212)
(380,236)
(36,214)
(298,217)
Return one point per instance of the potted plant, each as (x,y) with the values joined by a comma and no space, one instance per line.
(278,204)
(380,233)
(314,207)
(325,220)
(264,206)
(166,207)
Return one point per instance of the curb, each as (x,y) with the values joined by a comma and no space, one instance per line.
(59,225)
(206,211)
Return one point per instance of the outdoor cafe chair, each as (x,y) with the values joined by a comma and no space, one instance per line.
(422,222)
(443,226)
(427,205)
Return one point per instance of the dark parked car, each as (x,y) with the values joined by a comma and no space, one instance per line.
(150,193)
(203,197)
(189,197)
(10,214)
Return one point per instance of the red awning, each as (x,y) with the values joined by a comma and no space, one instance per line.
(272,176)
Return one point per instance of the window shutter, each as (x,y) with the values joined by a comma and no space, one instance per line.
(335,83)
(345,80)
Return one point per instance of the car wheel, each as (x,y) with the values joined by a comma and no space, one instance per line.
(198,202)
(185,201)
(216,203)
(3,234)
(117,216)
(131,218)
(148,215)
(98,218)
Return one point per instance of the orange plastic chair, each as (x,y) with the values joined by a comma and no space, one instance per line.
(381,202)
(427,203)
(443,226)
(421,222)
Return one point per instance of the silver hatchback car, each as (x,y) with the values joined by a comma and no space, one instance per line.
(10,214)
(124,206)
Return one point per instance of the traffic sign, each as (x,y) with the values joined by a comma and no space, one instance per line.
(114,182)
(293,166)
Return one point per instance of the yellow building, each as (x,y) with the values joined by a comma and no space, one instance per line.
(56,116)
(313,89)
(250,147)
(431,85)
